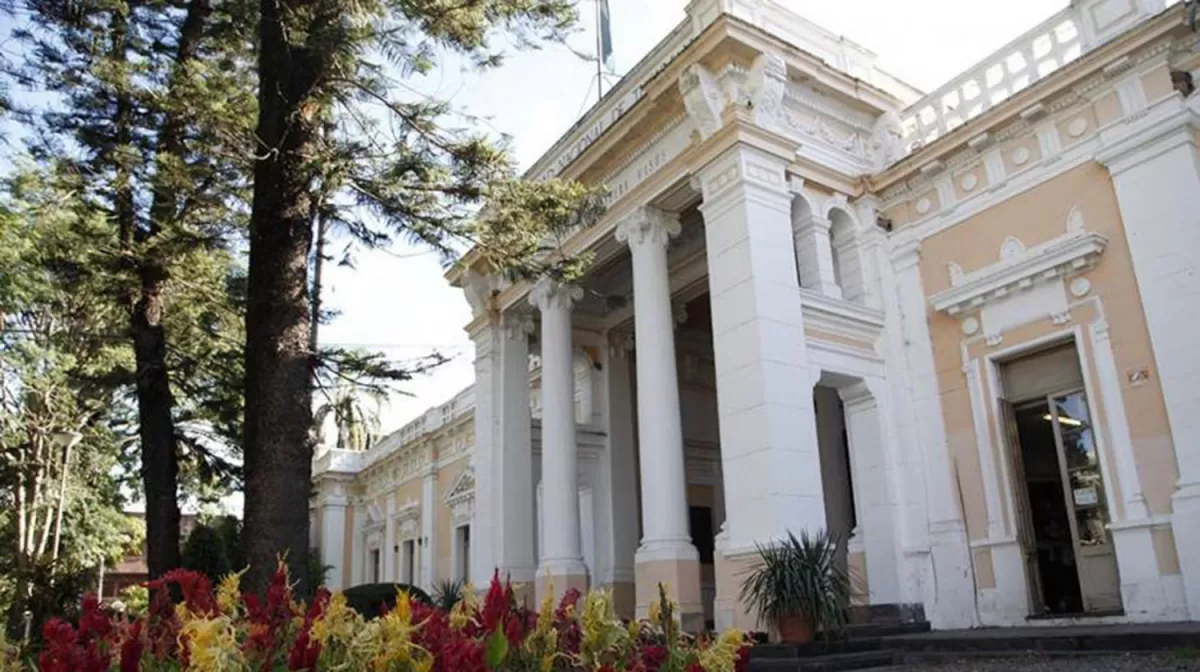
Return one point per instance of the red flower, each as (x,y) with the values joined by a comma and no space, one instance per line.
(131,648)
(743,661)
(653,656)
(93,623)
(496,604)
(196,588)
(62,652)
(304,653)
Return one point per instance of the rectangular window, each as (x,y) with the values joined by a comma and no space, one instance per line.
(410,562)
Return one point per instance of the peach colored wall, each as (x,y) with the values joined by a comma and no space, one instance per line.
(1034,217)
(1164,548)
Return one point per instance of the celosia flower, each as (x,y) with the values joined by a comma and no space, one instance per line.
(62,653)
(132,645)
(723,654)
(211,644)
(229,593)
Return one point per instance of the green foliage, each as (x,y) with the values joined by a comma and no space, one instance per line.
(448,593)
(204,552)
(375,599)
(136,600)
(800,578)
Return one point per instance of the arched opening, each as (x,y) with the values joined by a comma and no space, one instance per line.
(804,243)
(847,263)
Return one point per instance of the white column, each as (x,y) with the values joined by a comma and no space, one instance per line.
(389,541)
(764,381)
(562,551)
(617,522)
(514,518)
(660,432)
(1156,175)
(333,538)
(666,554)
(428,529)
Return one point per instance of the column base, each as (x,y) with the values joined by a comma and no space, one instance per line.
(624,598)
(1185,523)
(953,605)
(557,577)
(676,567)
(729,610)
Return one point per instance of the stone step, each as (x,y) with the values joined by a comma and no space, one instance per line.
(890,614)
(886,629)
(861,660)
(1050,639)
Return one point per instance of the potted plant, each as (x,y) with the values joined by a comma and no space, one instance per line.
(799,587)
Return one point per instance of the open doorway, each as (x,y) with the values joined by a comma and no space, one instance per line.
(1062,512)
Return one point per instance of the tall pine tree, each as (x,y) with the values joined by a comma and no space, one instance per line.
(146,128)
(340,133)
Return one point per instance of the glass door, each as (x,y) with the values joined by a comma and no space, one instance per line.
(1083,486)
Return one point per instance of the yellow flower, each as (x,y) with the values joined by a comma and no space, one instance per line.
(655,612)
(722,655)
(338,624)
(229,593)
(391,639)
(211,644)
(602,633)
(464,611)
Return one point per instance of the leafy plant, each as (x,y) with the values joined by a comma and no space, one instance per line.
(800,577)
(448,593)
(373,600)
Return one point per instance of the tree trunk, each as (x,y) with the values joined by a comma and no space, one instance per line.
(278,393)
(62,499)
(160,456)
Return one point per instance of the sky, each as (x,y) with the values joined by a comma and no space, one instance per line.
(397,302)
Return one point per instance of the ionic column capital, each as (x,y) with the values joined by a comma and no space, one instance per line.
(648,226)
(517,325)
(551,294)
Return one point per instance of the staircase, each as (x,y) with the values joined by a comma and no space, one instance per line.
(866,643)
(883,636)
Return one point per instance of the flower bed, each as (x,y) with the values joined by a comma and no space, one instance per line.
(224,630)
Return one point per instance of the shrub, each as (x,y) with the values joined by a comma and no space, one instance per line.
(224,630)
(375,599)
(448,593)
(204,552)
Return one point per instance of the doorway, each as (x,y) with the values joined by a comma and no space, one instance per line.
(1062,512)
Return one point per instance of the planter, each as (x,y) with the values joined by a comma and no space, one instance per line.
(795,629)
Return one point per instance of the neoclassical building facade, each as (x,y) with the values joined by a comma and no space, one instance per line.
(955,329)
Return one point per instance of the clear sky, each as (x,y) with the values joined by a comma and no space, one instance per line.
(398,302)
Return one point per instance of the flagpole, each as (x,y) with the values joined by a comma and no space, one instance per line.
(599,54)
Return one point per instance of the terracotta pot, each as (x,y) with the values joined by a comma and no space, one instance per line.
(795,629)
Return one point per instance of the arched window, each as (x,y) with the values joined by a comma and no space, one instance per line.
(847,261)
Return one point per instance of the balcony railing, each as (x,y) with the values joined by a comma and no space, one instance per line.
(1018,65)
(1054,43)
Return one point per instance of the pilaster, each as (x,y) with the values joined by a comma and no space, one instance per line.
(949,584)
(428,540)
(767,426)
(1156,175)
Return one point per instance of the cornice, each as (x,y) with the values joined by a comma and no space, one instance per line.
(1073,252)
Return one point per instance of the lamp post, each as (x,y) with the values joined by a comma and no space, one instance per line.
(66,441)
